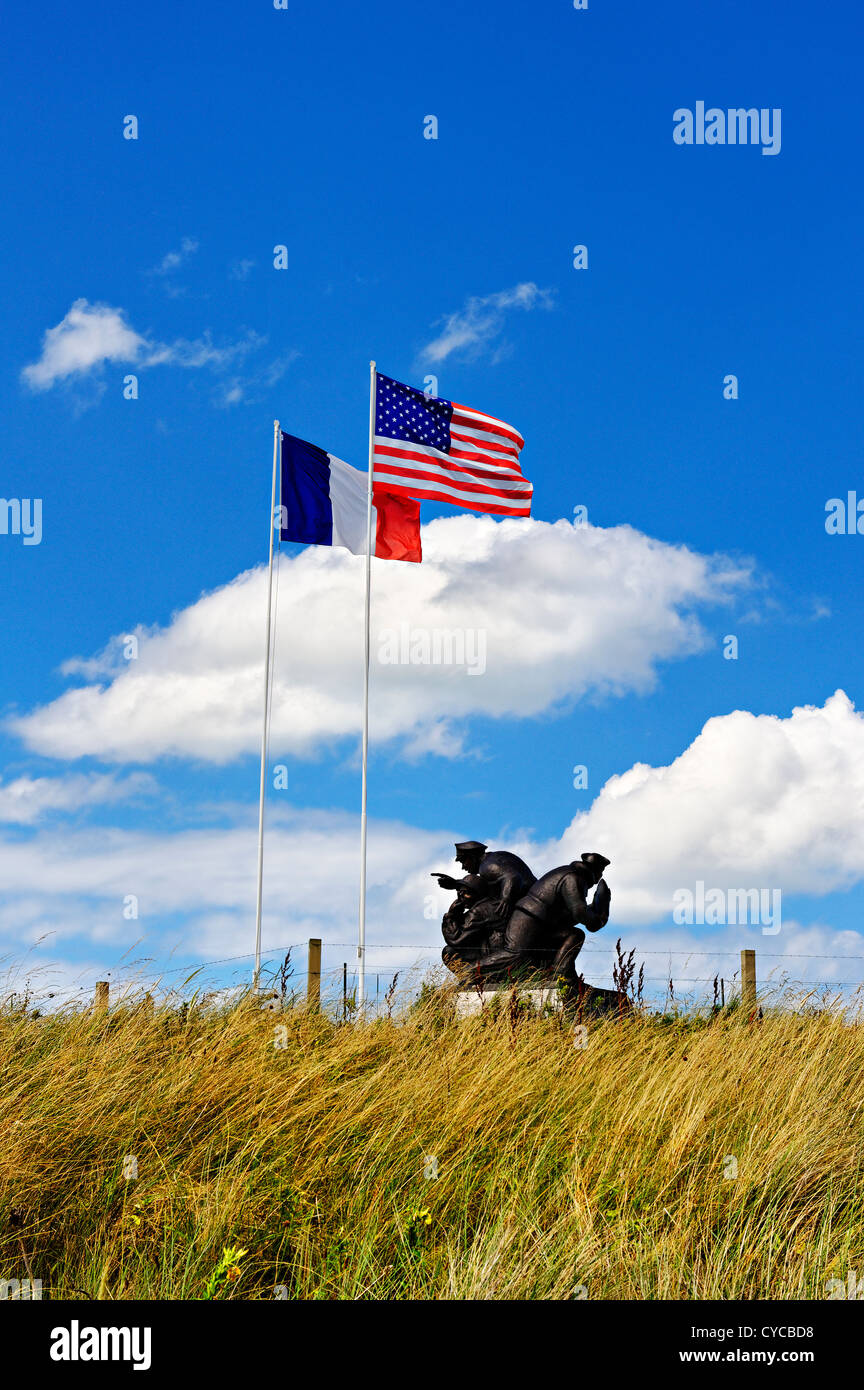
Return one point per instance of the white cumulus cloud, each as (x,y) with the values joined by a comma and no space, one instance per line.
(559,610)
(88,336)
(756,801)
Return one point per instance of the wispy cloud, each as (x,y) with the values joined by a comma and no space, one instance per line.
(172,260)
(240,269)
(27,800)
(202,352)
(91,335)
(480,324)
(69,883)
(246,388)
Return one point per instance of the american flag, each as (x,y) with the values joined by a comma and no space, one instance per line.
(427,447)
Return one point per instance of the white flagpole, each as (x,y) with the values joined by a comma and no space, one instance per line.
(260,897)
(361,929)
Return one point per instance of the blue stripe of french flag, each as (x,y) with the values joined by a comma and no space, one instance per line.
(324,503)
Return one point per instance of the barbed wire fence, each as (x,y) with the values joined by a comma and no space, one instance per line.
(286,977)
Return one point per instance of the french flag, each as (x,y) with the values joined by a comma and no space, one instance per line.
(324,503)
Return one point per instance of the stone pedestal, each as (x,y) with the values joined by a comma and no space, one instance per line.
(591,1000)
(470,1002)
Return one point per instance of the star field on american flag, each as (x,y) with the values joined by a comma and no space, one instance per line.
(402,412)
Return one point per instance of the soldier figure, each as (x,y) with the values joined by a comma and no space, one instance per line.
(544,931)
(493,883)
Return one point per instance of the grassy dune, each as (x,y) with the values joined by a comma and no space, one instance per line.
(564,1171)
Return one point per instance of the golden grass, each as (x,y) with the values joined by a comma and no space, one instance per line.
(563,1171)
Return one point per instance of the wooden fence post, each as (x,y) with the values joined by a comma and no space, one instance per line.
(313,975)
(100,1003)
(748,979)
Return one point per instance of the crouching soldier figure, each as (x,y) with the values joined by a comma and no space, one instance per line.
(544,933)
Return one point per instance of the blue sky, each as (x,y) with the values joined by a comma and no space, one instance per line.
(304,127)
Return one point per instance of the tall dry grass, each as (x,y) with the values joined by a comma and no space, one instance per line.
(600,1171)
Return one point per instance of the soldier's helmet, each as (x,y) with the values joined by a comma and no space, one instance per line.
(595,864)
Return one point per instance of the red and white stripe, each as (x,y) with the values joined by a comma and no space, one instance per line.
(480,472)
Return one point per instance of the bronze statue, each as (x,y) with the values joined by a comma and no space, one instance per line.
(507,925)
